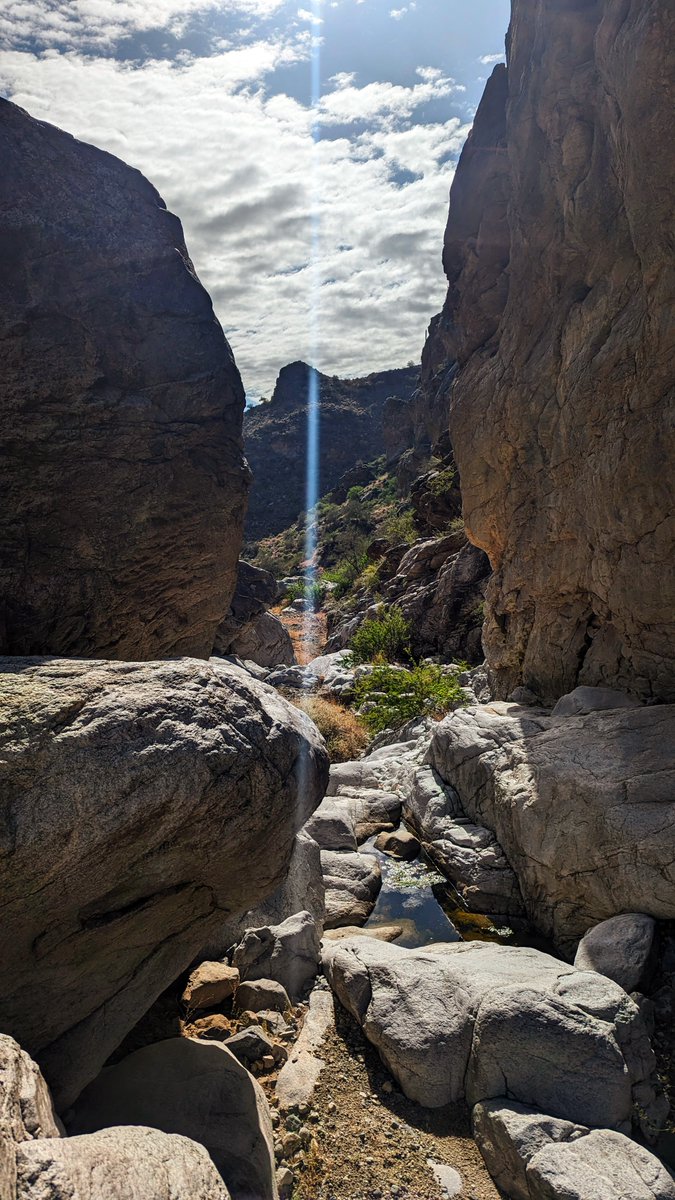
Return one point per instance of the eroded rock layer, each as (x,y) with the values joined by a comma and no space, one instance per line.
(558,252)
(123,483)
(142,805)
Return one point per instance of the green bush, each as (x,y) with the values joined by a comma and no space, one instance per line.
(442,481)
(345,574)
(398,528)
(387,638)
(399,694)
(314,592)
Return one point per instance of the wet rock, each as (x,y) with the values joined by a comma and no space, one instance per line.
(353,882)
(288,953)
(619,948)
(462,1019)
(257,995)
(210,984)
(196,1089)
(578,804)
(128,1162)
(400,844)
(124,483)
(160,795)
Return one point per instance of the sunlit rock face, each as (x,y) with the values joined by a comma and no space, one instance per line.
(123,482)
(558,313)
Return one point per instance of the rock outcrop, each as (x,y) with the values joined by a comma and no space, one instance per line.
(582,806)
(469,1019)
(142,804)
(554,351)
(123,481)
(26,1109)
(275,435)
(198,1090)
(249,631)
(129,1161)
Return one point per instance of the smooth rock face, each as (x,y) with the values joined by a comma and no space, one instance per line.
(592,699)
(604,1165)
(560,286)
(583,806)
(289,953)
(26,1109)
(125,1163)
(197,1089)
(353,882)
(256,995)
(122,406)
(619,948)
(141,804)
(298,1077)
(266,642)
(469,1019)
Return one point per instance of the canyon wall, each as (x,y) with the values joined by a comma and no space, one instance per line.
(123,482)
(275,435)
(558,252)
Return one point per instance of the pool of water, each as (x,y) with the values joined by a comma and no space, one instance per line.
(415,896)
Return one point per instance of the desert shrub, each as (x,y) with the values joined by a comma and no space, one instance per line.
(344,733)
(399,527)
(369,577)
(385,638)
(345,574)
(398,694)
(442,481)
(315,592)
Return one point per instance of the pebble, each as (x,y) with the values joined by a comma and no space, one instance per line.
(293,1123)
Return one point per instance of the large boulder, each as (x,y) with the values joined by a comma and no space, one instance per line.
(559,261)
(123,482)
(289,953)
(469,1019)
(256,590)
(26,1109)
(266,641)
(620,948)
(532,1156)
(583,806)
(197,1089)
(141,804)
(125,1163)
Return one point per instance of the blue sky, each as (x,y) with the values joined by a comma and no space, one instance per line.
(342,236)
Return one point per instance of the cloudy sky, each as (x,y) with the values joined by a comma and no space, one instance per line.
(308,150)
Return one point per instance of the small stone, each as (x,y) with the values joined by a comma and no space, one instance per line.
(258,994)
(268,1062)
(293,1123)
(291,1144)
(285,1182)
(387,1087)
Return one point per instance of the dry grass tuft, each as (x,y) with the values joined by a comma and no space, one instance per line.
(344,733)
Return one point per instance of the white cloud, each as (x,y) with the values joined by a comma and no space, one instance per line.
(486,59)
(240,169)
(103,22)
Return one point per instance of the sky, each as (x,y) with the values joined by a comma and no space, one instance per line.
(307,149)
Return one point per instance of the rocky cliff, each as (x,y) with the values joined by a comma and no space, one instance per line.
(123,484)
(559,260)
(275,438)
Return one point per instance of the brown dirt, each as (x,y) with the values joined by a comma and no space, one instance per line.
(368,1142)
(308,633)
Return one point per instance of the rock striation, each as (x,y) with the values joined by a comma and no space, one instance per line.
(142,805)
(275,435)
(123,482)
(554,351)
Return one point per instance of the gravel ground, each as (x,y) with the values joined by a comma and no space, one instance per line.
(369,1142)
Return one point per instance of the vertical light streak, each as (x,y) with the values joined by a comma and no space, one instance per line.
(313,397)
